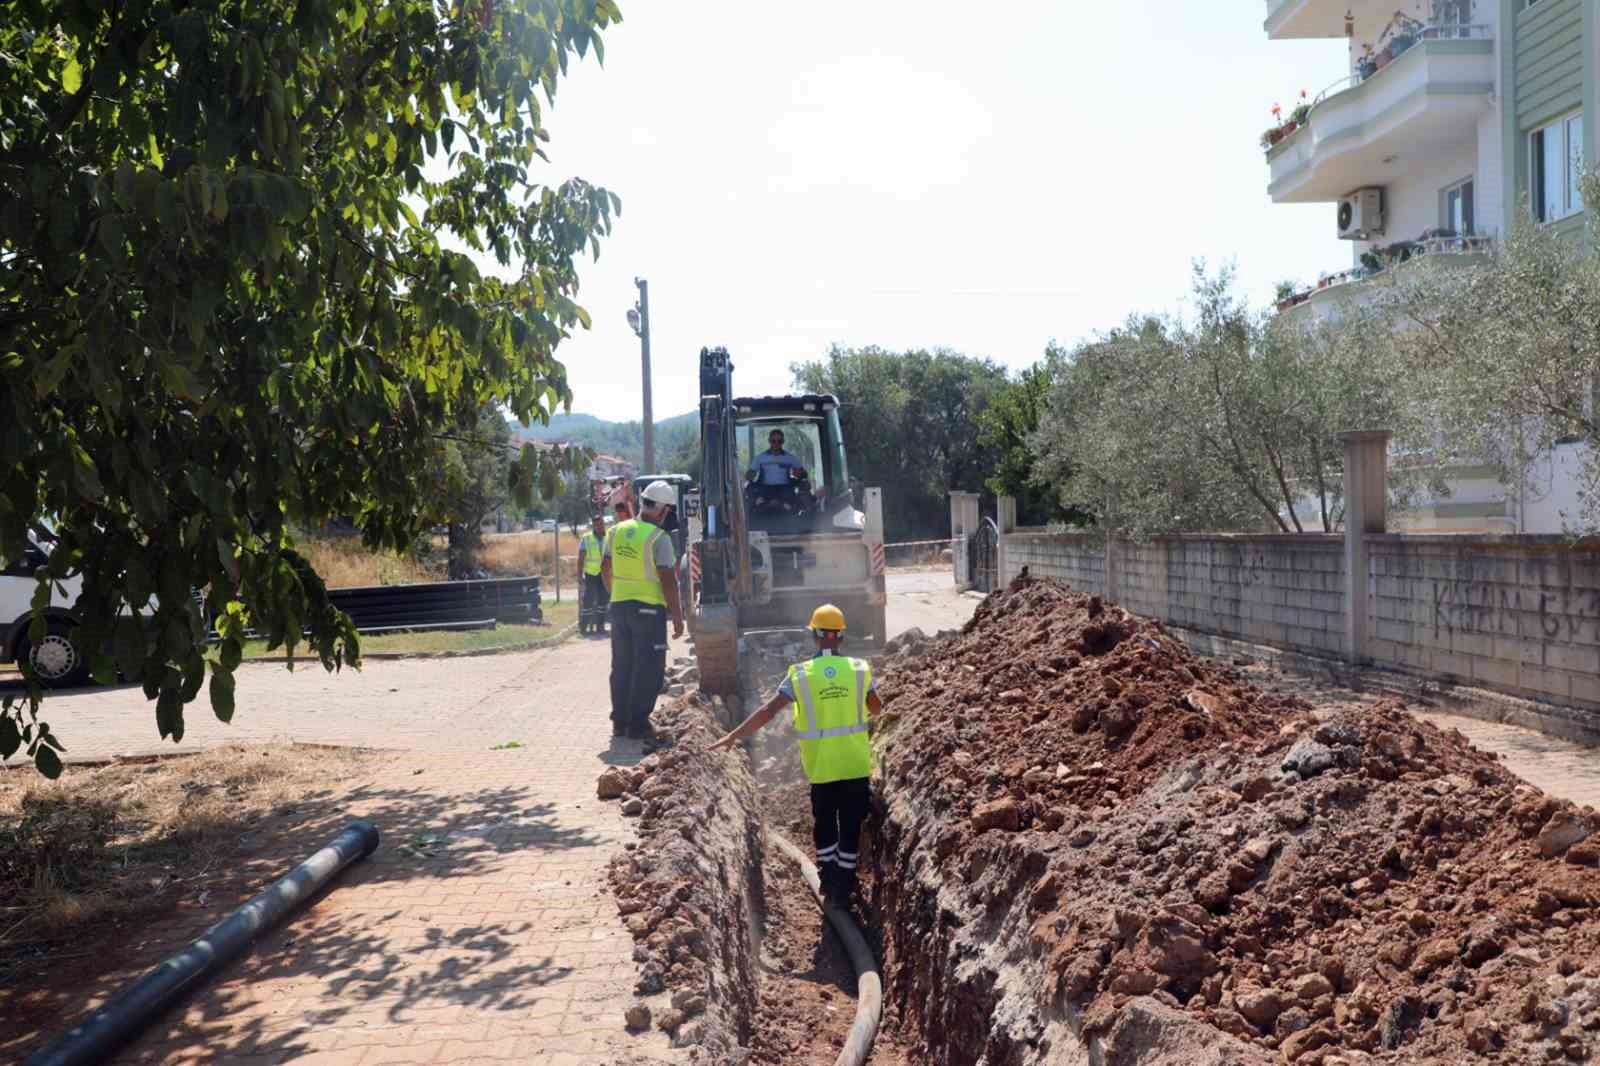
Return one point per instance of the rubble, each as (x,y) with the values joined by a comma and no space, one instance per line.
(1094,843)
(687,892)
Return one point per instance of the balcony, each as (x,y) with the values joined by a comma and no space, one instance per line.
(1419,96)
(1435,248)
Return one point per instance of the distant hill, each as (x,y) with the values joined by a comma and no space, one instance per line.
(625,439)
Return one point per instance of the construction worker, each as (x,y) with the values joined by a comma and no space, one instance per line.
(832,696)
(638,568)
(592,602)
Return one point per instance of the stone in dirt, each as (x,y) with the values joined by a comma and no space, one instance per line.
(613,783)
(1231,879)
(637,1017)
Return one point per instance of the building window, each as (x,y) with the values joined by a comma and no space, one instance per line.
(1455,209)
(1555,163)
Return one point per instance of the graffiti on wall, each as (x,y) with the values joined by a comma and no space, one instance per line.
(1492,608)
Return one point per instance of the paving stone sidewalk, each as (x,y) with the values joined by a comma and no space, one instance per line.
(481,931)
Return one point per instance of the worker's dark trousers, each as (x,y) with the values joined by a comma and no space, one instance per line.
(638,662)
(592,604)
(838,809)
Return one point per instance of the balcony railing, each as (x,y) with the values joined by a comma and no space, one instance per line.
(1402,35)
(1379,260)
(1397,40)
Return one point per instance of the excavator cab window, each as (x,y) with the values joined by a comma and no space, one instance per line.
(784,494)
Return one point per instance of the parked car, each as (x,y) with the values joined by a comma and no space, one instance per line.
(57,660)
(548,525)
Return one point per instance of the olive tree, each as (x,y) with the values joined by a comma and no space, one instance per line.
(1508,352)
(238,293)
(1223,419)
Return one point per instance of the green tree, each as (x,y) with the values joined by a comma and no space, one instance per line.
(1007,426)
(908,423)
(236,295)
(1226,420)
(1508,354)
(472,478)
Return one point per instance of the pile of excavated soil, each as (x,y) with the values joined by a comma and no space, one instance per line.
(1097,843)
(688,889)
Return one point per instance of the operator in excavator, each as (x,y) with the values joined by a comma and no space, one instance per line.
(832,696)
(770,469)
(639,571)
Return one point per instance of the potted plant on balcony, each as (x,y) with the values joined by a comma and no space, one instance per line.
(1302,112)
(1406,32)
(1367,65)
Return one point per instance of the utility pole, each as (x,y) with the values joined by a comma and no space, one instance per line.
(639,319)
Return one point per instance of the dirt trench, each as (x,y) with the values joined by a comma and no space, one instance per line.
(772,985)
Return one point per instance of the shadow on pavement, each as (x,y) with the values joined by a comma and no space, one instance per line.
(352,952)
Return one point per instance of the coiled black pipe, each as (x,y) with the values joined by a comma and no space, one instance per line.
(869,986)
(136,1006)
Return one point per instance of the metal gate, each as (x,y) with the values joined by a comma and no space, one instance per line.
(983,556)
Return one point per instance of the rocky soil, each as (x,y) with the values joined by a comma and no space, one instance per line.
(1100,848)
(688,890)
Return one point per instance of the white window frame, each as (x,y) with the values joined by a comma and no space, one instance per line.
(1571,202)
(1444,205)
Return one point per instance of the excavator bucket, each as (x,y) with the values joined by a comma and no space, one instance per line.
(716,648)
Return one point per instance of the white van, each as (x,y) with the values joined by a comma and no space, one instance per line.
(57,660)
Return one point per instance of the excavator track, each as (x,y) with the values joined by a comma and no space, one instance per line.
(716,648)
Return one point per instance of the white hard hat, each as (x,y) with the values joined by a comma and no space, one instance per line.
(660,492)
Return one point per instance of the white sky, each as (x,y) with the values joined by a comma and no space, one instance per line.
(913,174)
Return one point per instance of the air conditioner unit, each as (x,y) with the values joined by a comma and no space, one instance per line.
(1361,214)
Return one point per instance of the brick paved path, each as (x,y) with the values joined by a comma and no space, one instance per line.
(481,931)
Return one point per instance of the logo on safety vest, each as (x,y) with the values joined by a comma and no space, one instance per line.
(829,672)
(631,532)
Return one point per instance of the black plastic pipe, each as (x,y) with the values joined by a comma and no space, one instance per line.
(869,985)
(136,1006)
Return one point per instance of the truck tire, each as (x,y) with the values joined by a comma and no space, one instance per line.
(57,661)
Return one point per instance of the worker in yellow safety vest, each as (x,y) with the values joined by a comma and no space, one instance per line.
(593,599)
(638,567)
(832,696)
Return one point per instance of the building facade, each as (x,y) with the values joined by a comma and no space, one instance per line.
(1455,115)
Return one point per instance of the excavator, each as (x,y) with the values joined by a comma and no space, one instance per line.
(767,555)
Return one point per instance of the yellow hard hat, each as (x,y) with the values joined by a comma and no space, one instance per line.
(828,617)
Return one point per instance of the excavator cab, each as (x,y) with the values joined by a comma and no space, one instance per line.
(806,486)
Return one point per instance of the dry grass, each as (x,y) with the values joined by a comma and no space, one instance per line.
(111,841)
(344,562)
(522,554)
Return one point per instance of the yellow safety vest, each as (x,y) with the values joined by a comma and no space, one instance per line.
(590,547)
(830,717)
(633,562)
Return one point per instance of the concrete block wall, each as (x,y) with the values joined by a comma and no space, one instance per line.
(1516,614)
(1265,589)
(1076,558)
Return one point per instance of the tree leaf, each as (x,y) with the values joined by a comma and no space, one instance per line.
(10,736)
(47,761)
(222,695)
(72,75)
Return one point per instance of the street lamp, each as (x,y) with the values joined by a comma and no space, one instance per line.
(639,322)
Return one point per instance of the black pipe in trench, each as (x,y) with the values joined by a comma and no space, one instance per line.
(137,1005)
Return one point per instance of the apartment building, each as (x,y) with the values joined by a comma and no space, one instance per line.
(1454,115)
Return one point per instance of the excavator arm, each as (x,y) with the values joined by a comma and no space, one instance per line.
(724,544)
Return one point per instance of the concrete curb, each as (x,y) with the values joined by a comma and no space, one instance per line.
(503,649)
(1555,720)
